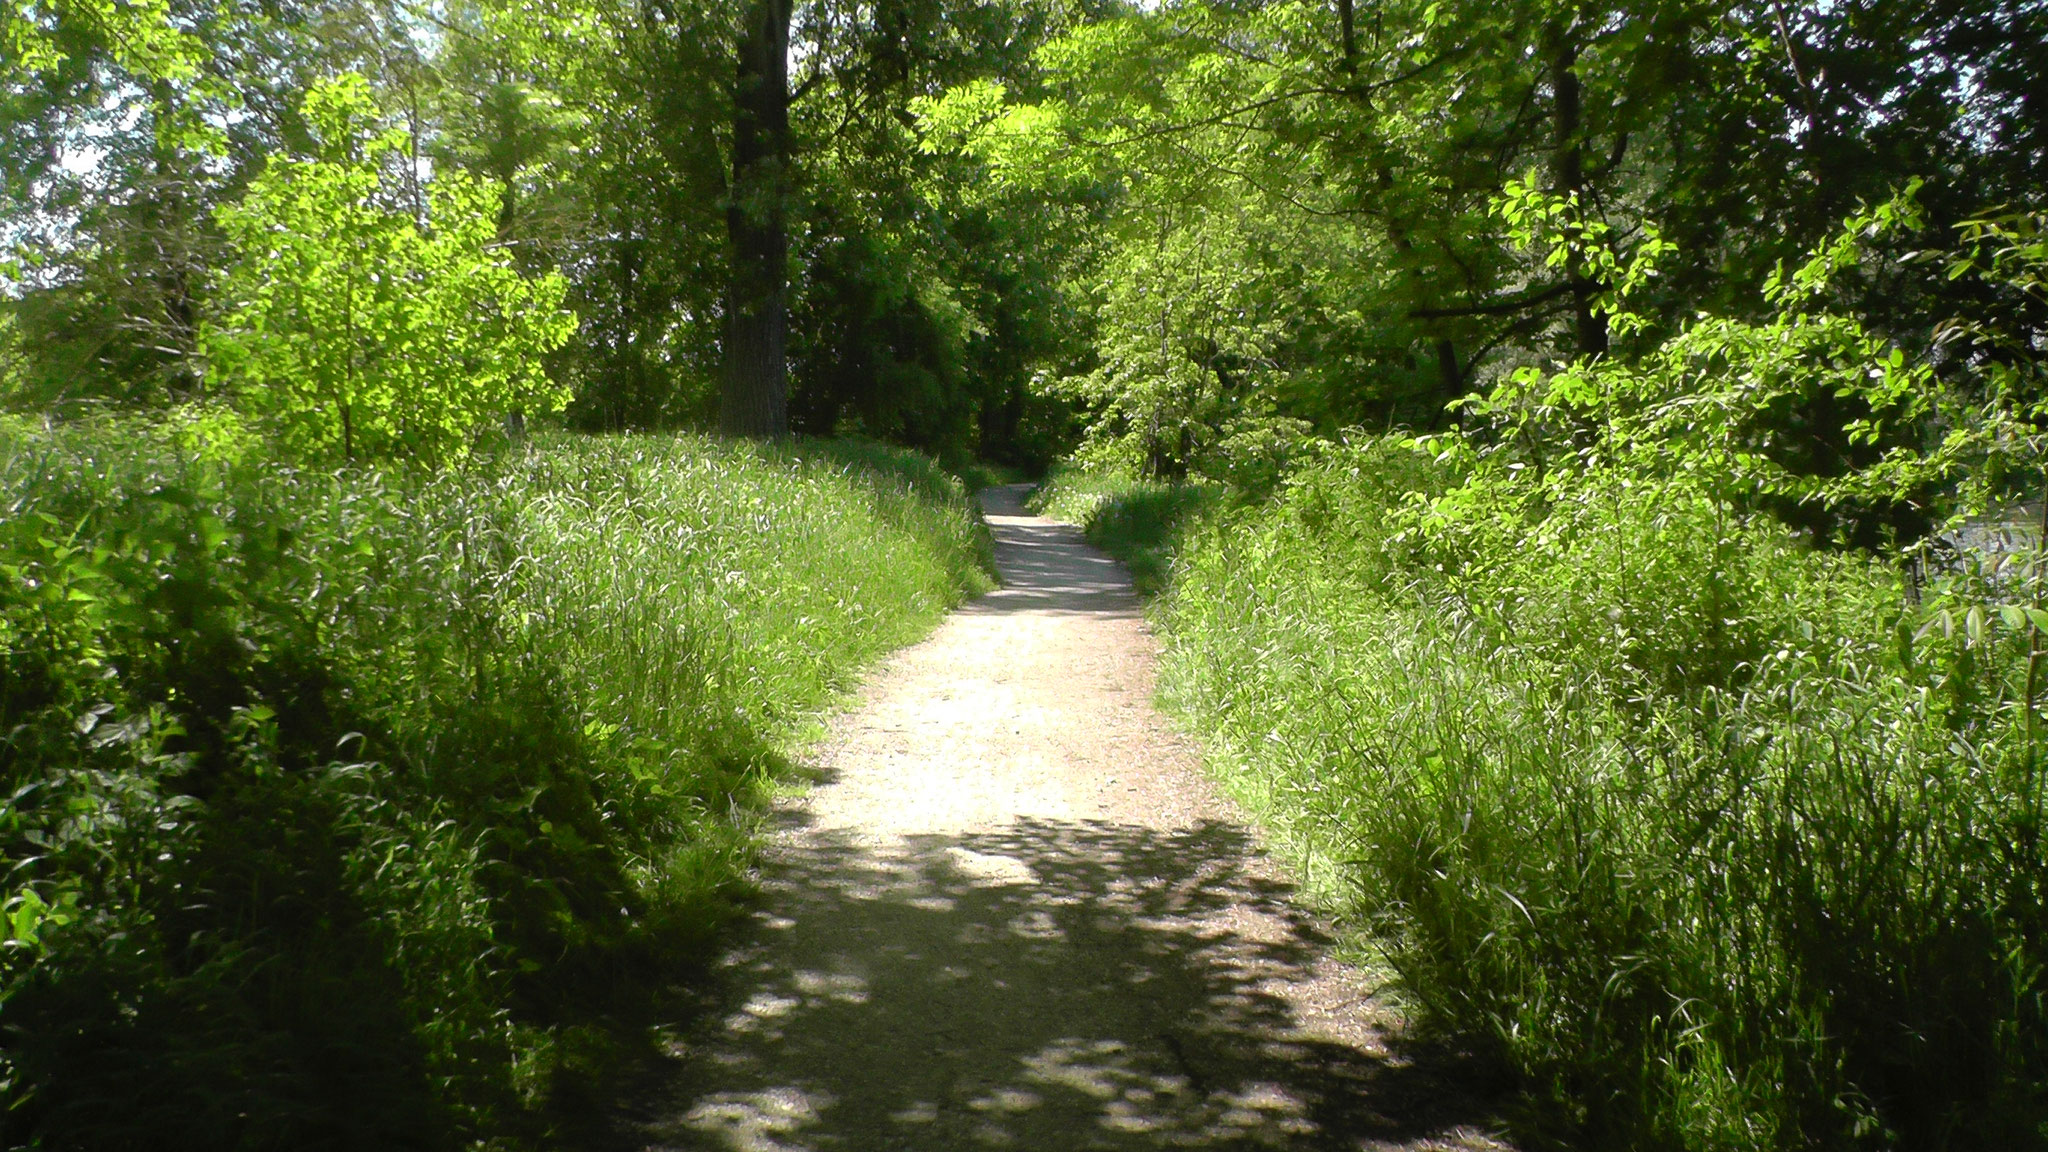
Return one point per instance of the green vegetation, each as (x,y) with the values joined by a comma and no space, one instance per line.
(1551,425)
(352,330)
(345,808)
(1715,837)
(1667,812)
(1177,233)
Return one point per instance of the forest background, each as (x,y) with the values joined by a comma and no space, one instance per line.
(1183,231)
(1620,372)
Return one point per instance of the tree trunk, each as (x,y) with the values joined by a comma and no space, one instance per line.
(1568,175)
(1450,377)
(1347,40)
(755,397)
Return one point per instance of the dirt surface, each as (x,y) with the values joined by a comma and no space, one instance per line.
(1014,914)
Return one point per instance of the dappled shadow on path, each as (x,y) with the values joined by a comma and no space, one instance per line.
(1051,985)
(1046,566)
(949,955)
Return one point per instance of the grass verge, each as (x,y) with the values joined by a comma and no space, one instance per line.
(1713,840)
(342,809)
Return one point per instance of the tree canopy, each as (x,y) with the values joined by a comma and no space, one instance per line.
(1176,235)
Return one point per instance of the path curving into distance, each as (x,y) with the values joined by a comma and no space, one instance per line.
(1014,914)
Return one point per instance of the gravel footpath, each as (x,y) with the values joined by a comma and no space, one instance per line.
(1014,914)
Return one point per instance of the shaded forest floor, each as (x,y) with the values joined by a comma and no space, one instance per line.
(1013,913)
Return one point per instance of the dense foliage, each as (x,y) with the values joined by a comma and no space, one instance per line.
(1675,817)
(350,329)
(1175,232)
(1599,592)
(1319,215)
(342,807)
(1716,837)
(576,142)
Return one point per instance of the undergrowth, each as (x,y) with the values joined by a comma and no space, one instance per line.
(343,810)
(1716,840)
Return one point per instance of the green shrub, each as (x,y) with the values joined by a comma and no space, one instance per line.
(350,329)
(340,806)
(1674,816)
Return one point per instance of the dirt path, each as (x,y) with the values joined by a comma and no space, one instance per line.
(1015,915)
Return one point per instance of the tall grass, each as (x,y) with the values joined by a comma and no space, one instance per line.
(1717,841)
(341,809)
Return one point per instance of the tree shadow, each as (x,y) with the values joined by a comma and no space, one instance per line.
(1054,985)
(1048,567)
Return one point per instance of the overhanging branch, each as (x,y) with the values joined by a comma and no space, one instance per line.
(1495,307)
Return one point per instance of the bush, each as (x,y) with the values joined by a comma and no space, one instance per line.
(340,807)
(352,330)
(1717,840)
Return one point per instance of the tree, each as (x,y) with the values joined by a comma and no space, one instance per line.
(921,298)
(755,396)
(123,135)
(1363,152)
(349,328)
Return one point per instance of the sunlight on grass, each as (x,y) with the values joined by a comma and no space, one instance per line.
(1685,822)
(347,801)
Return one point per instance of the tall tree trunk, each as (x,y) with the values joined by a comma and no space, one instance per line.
(1347,40)
(1450,378)
(1568,176)
(755,397)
